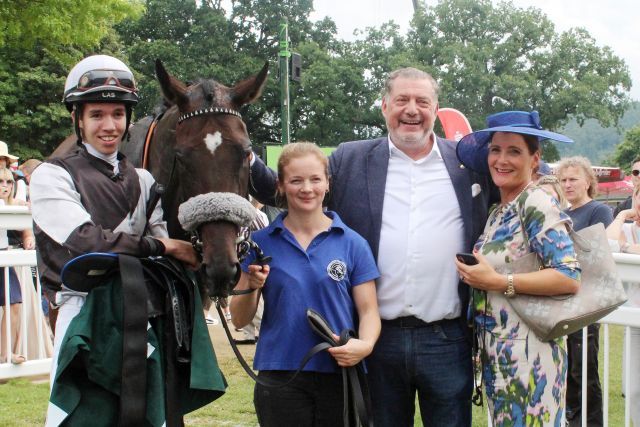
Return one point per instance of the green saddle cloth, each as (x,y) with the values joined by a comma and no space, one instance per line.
(87,385)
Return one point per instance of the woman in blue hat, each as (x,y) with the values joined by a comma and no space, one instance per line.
(525,377)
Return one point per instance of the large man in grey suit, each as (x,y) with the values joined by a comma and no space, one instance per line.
(417,206)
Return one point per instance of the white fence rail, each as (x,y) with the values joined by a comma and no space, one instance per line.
(629,317)
(33,326)
(34,336)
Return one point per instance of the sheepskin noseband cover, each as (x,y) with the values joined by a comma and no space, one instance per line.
(215,207)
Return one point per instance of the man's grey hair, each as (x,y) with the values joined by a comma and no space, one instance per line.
(410,73)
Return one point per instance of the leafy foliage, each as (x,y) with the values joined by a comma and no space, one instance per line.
(487,57)
(629,149)
(491,58)
(57,23)
(598,143)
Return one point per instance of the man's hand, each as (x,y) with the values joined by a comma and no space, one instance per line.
(181,250)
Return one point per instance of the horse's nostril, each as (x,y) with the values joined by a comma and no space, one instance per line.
(222,279)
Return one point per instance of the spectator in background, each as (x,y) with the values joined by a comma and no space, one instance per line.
(28,167)
(635,179)
(580,188)
(19,187)
(624,233)
(543,169)
(15,292)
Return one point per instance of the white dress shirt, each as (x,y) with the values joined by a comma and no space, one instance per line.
(422,230)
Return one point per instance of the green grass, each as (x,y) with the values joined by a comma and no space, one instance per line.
(24,403)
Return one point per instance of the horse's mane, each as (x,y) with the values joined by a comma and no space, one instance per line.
(161,107)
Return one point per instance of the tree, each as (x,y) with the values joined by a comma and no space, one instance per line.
(55,24)
(197,40)
(39,42)
(628,150)
(490,58)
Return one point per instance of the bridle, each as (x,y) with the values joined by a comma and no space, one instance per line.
(243,242)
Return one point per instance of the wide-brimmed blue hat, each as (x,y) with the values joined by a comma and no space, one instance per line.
(473,149)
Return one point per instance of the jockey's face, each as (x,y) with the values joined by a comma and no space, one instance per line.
(103,125)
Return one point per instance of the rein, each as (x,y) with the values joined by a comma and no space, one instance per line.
(356,400)
(147,140)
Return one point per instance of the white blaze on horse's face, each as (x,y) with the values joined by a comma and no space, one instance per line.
(213,141)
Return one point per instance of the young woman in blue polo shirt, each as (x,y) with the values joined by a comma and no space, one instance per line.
(319,263)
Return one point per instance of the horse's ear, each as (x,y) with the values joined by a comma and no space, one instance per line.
(173,89)
(248,90)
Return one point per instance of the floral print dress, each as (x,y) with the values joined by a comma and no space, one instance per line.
(525,378)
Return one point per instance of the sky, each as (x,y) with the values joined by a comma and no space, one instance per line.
(613,23)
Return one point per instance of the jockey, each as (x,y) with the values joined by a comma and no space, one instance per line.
(92,199)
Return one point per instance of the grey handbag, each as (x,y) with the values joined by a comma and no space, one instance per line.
(601,291)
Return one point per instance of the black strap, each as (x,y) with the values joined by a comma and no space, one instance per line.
(133,401)
(314,350)
(355,389)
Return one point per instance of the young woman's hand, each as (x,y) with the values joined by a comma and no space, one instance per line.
(257,275)
(350,353)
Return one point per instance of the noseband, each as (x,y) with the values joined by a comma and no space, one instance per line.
(228,207)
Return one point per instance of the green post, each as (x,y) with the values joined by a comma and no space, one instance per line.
(284,55)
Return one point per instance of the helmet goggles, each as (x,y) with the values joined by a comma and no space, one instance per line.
(99,78)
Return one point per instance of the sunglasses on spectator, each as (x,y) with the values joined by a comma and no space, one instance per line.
(6,182)
(635,172)
(96,78)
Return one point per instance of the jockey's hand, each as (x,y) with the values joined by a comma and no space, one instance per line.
(257,275)
(181,250)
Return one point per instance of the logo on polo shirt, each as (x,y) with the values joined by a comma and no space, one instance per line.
(337,270)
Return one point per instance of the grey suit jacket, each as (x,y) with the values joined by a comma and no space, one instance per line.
(358,176)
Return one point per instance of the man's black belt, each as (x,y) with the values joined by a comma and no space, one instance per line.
(414,322)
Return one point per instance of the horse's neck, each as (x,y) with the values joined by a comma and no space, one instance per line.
(133,145)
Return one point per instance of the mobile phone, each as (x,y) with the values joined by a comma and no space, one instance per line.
(467,259)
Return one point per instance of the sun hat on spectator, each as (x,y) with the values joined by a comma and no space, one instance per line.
(473,149)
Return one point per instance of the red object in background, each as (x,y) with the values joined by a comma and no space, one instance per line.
(616,189)
(454,123)
(608,174)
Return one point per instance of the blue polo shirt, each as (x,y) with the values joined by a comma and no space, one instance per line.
(322,278)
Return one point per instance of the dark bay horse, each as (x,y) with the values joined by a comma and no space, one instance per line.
(199,146)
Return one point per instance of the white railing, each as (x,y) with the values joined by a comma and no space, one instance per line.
(39,361)
(34,334)
(629,317)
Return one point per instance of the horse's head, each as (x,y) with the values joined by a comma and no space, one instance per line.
(209,158)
